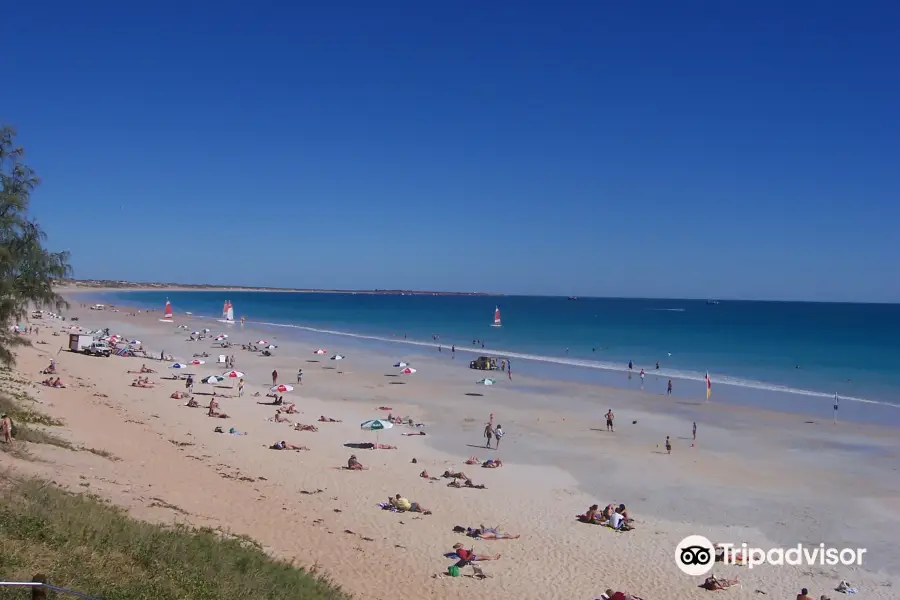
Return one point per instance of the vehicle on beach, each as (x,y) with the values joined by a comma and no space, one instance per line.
(484,363)
(98,349)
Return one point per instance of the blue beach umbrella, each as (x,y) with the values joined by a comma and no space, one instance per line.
(178,366)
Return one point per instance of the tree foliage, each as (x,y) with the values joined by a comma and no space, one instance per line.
(27,269)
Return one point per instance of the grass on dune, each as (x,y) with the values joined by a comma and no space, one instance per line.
(84,544)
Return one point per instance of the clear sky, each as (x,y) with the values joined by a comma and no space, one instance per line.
(681,149)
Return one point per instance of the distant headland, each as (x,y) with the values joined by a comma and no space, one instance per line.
(108,284)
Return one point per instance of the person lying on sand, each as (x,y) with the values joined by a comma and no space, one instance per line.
(282,445)
(192,403)
(465,483)
(54,383)
(354,465)
(452,475)
(178,395)
(425,475)
(416,433)
(404,505)
(279,418)
(473,460)
(492,463)
(324,419)
(611,595)
(290,409)
(370,446)
(468,556)
(146,369)
(490,533)
(715,583)
(302,427)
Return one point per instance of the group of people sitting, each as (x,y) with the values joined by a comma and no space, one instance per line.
(54,383)
(615,517)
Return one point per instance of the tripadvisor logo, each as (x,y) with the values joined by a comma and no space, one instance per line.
(695,555)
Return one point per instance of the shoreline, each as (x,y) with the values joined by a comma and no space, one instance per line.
(555,466)
(726,389)
(150,287)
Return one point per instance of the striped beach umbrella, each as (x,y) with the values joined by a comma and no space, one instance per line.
(281,388)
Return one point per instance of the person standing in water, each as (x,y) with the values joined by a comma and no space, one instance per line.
(669,388)
(609,421)
(630,365)
(453,351)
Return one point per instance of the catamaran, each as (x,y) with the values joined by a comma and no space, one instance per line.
(227,313)
(496,317)
(167,317)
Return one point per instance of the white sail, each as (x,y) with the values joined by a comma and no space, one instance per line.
(229,314)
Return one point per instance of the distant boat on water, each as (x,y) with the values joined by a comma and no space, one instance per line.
(227,313)
(712,302)
(496,318)
(573,297)
(167,316)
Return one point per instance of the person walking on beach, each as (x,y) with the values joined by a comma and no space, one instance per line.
(6,427)
(509,370)
(488,434)
(241,388)
(299,376)
(695,430)
(630,365)
(642,378)
(189,384)
(502,364)
(274,377)
(453,351)
(668,445)
(669,388)
(498,433)
(609,421)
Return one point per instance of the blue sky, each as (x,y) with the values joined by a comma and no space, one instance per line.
(683,149)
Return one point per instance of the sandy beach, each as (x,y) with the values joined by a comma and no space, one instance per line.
(766,478)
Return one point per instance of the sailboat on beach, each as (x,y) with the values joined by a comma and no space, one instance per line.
(496,318)
(167,317)
(227,313)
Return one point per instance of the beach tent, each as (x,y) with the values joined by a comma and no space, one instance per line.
(222,360)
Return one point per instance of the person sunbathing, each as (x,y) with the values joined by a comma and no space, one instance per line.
(416,433)
(491,534)
(178,395)
(278,418)
(715,583)
(492,463)
(465,483)
(192,403)
(467,557)
(354,465)
(302,427)
(54,383)
(283,445)
(451,475)
(290,409)
(473,460)
(404,505)
(51,370)
(324,419)
(146,369)
(733,556)
(214,409)
(425,475)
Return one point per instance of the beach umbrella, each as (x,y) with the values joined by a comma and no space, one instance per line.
(212,379)
(401,364)
(338,357)
(281,388)
(206,330)
(262,341)
(407,371)
(233,374)
(487,382)
(271,347)
(197,361)
(135,341)
(376,425)
(178,366)
(320,351)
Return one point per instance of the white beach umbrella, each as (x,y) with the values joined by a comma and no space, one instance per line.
(262,341)
(233,374)
(178,366)
(320,351)
(212,379)
(401,364)
(271,347)
(281,388)
(487,382)
(338,357)
(136,342)
(407,371)
(206,330)
(197,361)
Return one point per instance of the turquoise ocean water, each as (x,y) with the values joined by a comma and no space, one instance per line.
(849,349)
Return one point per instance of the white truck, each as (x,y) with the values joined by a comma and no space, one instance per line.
(88,344)
(98,348)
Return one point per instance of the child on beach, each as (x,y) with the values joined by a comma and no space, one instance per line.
(498,433)
(668,446)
